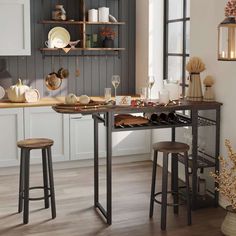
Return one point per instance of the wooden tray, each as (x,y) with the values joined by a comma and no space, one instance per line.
(127,119)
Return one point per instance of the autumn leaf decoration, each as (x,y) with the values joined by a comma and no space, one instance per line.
(230,9)
(226,178)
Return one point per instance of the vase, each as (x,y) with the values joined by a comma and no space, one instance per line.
(108,43)
(195,88)
(228,226)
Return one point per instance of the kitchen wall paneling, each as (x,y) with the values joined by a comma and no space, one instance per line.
(95,72)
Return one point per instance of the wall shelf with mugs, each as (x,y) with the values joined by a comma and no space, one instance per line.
(93,31)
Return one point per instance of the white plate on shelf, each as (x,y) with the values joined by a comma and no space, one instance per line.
(59,36)
(2,92)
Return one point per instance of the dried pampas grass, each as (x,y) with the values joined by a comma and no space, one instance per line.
(195,65)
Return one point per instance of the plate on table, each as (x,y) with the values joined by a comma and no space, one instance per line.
(59,36)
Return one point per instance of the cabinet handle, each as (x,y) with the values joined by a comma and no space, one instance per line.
(76,118)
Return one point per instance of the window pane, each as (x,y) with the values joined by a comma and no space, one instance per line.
(175,9)
(188,8)
(175,37)
(175,68)
(188,37)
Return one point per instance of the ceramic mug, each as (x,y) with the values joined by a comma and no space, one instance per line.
(49,44)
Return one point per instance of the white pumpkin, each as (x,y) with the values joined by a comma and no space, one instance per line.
(70,99)
(16,93)
(84,99)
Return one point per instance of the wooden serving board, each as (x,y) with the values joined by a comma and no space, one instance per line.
(127,119)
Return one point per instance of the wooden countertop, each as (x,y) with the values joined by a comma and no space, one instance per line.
(46,101)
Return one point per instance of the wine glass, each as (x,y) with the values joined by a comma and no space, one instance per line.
(115,82)
(150,82)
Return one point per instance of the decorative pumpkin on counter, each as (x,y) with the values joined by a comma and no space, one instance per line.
(16,93)
(71,99)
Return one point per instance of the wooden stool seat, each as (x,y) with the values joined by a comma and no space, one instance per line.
(170,147)
(35,143)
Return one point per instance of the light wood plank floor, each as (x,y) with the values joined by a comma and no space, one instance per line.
(76,215)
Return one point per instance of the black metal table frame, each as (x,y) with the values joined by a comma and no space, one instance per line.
(108,121)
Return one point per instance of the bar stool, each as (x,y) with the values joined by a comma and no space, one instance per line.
(166,148)
(26,146)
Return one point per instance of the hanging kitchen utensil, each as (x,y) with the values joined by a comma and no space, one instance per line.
(52,81)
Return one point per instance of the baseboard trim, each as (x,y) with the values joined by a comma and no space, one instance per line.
(77,163)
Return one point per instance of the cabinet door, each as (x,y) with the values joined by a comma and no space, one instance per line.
(11,126)
(15,27)
(44,122)
(81,138)
(131,142)
(123,143)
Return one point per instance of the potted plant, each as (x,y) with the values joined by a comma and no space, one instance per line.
(226,180)
(108,35)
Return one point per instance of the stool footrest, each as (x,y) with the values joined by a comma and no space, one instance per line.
(38,198)
(168,204)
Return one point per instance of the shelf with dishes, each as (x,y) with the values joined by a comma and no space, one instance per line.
(72,22)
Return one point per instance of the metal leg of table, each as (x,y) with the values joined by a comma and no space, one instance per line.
(108,212)
(172,160)
(96,163)
(217,152)
(109,168)
(194,157)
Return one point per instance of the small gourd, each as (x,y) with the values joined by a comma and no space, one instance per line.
(71,99)
(16,93)
(84,99)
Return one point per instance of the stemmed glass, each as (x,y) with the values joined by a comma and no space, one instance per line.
(115,82)
(150,82)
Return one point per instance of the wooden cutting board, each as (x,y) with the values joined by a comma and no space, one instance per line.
(127,119)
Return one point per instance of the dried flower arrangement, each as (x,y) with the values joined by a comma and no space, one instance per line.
(230,9)
(226,178)
(108,32)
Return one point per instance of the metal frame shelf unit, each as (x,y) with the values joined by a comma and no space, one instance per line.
(82,24)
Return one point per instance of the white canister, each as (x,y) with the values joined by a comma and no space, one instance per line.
(103,14)
(173,89)
(93,15)
(164,96)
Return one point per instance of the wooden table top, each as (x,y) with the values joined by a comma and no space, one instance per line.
(53,101)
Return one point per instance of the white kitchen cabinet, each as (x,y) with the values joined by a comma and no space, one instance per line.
(124,143)
(44,122)
(131,142)
(11,126)
(15,28)
(81,138)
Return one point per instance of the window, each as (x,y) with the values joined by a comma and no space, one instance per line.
(176,40)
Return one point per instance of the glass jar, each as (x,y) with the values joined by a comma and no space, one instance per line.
(59,13)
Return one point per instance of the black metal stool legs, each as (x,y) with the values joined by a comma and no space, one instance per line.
(26,186)
(164,190)
(45,178)
(188,197)
(154,169)
(52,193)
(21,182)
(175,175)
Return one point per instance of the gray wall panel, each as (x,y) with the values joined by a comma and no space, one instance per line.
(95,72)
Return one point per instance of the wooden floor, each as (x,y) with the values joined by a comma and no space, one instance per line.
(76,215)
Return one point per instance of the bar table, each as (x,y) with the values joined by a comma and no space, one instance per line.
(195,118)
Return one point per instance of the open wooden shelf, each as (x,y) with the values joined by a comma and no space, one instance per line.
(84,49)
(70,22)
(60,22)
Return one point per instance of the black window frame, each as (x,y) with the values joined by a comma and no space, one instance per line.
(166,53)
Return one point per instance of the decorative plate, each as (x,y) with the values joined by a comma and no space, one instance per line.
(59,36)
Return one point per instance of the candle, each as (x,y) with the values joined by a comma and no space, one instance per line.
(223,54)
(232,54)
